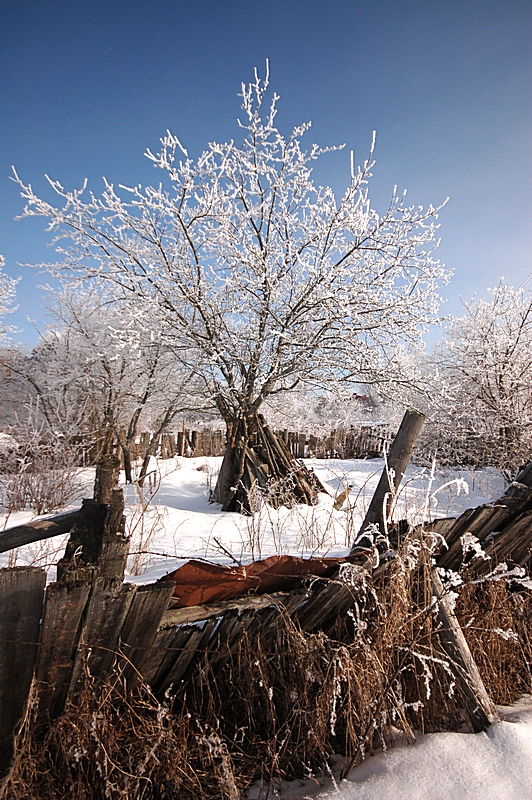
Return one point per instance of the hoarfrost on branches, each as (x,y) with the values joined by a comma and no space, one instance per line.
(265,275)
(257,279)
(482,404)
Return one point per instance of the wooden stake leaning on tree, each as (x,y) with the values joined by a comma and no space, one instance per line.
(397,461)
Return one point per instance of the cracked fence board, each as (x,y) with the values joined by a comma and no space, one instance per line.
(21,603)
(102,624)
(194,647)
(141,625)
(63,609)
(170,649)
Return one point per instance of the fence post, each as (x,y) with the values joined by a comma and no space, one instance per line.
(479,707)
(107,472)
(400,453)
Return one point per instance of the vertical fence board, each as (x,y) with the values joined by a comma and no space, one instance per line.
(158,652)
(104,617)
(195,645)
(63,607)
(21,603)
(141,625)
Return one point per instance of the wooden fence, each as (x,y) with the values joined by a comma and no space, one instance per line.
(362,441)
(90,620)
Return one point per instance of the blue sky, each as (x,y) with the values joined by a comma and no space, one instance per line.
(85,89)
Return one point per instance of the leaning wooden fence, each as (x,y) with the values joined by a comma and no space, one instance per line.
(89,620)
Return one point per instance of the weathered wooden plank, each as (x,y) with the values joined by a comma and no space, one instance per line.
(157,653)
(227,636)
(514,542)
(181,616)
(480,709)
(175,647)
(326,602)
(141,625)
(400,453)
(194,648)
(21,603)
(104,618)
(63,609)
(36,531)
(481,518)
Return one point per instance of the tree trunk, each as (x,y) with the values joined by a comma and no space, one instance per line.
(126,455)
(257,463)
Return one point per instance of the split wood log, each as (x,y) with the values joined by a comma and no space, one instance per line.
(256,457)
(400,453)
(21,603)
(20,535)
(480,710)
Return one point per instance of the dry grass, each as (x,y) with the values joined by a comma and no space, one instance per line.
(497,622)
(284,701)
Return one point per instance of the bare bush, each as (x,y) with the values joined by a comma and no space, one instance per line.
(43,474)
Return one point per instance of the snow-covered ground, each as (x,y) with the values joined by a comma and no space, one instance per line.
(496,765)
(179,523)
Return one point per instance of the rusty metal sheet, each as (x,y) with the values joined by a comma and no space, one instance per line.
(199,582)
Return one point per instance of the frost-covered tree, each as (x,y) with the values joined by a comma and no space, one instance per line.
(7,298)
(259,278)
(99,373)
(483,399)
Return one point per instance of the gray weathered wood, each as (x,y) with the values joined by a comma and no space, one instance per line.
(107,472)
(171,650)
(181,616)
(513,543)
(479,522)
(104,618)
(400,453)
(480,709)
(20,535)
(157,653)
(327,602)
(63,609)
(21,603)
(97,542)
(194,648)
(141,626)
(115,544)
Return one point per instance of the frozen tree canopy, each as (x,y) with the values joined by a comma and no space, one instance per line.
(255,276)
